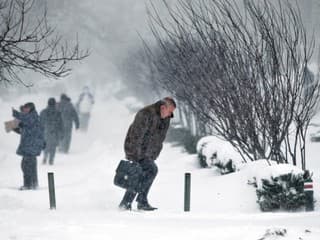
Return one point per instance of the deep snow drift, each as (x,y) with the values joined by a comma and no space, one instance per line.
(222,207)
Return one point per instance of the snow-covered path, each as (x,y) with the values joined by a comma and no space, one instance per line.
(221,207)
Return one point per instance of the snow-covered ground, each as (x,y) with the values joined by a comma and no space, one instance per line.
(222,207)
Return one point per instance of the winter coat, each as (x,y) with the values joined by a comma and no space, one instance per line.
(51,121)
(32,135)
(85,102)
(68,114)
(146,134)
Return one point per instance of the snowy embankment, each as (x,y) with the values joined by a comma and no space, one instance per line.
(222,207)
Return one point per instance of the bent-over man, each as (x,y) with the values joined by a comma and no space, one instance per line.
(143,144)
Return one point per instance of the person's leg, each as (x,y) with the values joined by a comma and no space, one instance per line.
(26,170)
(86,117)
(65,142)
(127,200)
(45,156)
(61,145)
(34,173)
(52,155)
(150,171)
(81,121)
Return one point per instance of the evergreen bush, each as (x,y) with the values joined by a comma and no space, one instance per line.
(284,192)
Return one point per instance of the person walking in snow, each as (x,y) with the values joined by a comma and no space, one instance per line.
(84,107)
(143,144)
(31,143)
(51,121)
(69,115)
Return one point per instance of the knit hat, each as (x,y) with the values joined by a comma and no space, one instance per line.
(52,102)
(30,105)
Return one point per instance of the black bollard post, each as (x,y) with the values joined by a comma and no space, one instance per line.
(187,188)
(308,191)
(52,196)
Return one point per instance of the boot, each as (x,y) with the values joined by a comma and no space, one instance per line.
(145,207)
(22,188)
(127,200)
(125,206)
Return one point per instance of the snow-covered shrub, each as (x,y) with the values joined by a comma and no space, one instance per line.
(280,187)
(214,152)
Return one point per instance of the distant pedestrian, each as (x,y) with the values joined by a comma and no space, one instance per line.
(31,143)
(51,121)
(84,107)
(69,116)
(143,144)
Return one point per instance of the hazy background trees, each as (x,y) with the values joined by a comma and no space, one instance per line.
(110,30)
(242,69)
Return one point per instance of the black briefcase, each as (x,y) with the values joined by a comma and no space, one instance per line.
(128,175)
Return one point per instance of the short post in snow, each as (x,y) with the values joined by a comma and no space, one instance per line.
(187,188)
(52,195)
(308,191)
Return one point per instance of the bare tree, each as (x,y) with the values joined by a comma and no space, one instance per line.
(242,71)
(28,42)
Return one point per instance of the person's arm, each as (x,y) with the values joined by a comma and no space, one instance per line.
(42,118)
(17,130)
(60,126)
(92,98)
(16,114)
(75,118)
(25,118)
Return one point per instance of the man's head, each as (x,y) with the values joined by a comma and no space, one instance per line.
(63,97)
(167,107)
(51,102)
(28,107)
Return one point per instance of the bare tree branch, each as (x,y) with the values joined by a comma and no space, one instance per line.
(29,43)
(243,72)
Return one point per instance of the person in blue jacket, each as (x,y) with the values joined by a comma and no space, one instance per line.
(31,143)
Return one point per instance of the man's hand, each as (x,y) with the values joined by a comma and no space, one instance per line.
(14,111)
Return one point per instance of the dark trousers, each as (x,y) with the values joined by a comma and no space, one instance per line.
(64,144)
(150,171)
(84,121)
(49,152)
(30,173)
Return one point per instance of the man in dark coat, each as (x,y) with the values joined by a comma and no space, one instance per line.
(69,115)
(31,143)
(51,121)
(143,144)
